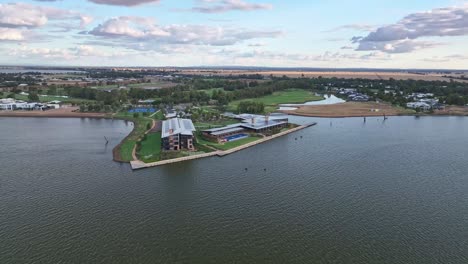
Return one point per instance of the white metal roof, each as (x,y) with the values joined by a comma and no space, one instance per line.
(177,126)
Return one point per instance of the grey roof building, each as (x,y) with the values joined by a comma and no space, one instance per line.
(177,134)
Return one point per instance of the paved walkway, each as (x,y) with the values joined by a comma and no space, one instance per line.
(137,164)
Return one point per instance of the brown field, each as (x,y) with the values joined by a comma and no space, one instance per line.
(329,74)
(453,110)
(62,112)
(350,109)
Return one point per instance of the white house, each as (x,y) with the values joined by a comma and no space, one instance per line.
(419,105)
(7,106)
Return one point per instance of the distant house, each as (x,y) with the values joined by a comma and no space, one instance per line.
(419,105)
(7,104)
(358,97)
(177,134)
(170,113)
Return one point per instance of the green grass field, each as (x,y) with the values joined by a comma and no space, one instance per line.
(158,115)
(141,126)
(150,148)
(291,96)
(210,91)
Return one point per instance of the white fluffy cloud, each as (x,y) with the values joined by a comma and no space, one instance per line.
(18,21)
(27,15)
(11,34)
(401,37)
(143,31)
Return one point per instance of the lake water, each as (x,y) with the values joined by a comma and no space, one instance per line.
(328,100)
(343,191)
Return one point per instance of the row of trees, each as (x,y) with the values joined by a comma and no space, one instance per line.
(251,107)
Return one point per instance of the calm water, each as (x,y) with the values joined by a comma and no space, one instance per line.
(346,192)
(328,100)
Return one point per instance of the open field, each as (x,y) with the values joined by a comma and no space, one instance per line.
(453,110)
(351,109)
(328,74)
(291,96)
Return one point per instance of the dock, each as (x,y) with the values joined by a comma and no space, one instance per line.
(137,164)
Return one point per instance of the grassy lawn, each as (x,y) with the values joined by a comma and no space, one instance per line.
(158,116)
(127,145)
(150,148)
(210,91)
(228,145)
(291,96)
(126,150)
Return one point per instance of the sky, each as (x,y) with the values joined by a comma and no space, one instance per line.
(266,33)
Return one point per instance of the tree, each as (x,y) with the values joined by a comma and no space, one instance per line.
(251,107)
(33,97)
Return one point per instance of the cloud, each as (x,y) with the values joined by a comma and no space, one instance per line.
(61,53)
(401,36)
(307,58)
(221,6)
(19,15)
(140,32)
(257,45)
(453,57)
(399,46)
(11,34)
(115,2)
(124,2)
(358,27)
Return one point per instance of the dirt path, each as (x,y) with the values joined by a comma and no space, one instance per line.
(134,156)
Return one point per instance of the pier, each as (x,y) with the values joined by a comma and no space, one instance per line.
(137,164)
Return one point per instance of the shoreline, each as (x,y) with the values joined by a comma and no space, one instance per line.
(116,155)
(65,112)
(70,114)
(76,115)
(138,164)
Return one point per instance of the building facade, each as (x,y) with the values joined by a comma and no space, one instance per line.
(177,134)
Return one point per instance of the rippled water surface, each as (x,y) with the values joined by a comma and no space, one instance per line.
(343,191)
